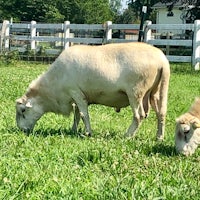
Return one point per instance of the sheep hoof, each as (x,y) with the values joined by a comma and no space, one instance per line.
(88,134)
(129,135)
(160,138)
(117,110)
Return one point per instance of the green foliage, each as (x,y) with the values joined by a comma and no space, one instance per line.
(136,7)
(89,11)
(53,15)
(76,11)
(53,163)
(98,9)
(128,17)
(9,57)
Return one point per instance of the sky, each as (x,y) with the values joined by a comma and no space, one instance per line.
(124,4)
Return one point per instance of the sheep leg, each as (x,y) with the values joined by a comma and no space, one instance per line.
(85,117)
(134,125)
(139,113)
(161,126)
(82,105)
(146,104)
(76,118)
(160,114)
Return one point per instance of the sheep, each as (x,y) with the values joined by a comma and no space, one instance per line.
(187,133)
(115,75)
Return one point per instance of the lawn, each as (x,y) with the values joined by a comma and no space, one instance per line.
(53,163)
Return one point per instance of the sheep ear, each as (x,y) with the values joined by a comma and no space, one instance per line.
(196,125)
(19,101)
(28,104)
(177,120)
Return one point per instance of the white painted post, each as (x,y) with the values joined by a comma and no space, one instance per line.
(33,35)
(196,45)
(108,31)
(66,34)
(6,25)
(4,32)
(37,35)
(147,31)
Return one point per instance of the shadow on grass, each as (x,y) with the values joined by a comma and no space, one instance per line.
(51,132)
(107,135)
(165,150)
(62,131)
(69,132)
(45,132)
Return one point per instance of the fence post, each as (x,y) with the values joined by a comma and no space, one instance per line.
(108,31)
(4,37)
(66,34)
(196,45)
(5,32)
(147,31)
(33,35)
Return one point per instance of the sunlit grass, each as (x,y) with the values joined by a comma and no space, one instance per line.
(53,163)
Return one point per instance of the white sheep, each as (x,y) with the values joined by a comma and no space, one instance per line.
(187,134)
(115,75)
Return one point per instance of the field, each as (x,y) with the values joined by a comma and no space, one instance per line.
(53,163)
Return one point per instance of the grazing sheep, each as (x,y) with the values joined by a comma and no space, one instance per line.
(115,75)
(187,135)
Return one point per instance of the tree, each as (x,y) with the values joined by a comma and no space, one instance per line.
(90,11)
(136,7)
(127,17)
(76,11)
(53,15)
(115,6)
(23,10)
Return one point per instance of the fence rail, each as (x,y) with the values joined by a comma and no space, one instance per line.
(61,36)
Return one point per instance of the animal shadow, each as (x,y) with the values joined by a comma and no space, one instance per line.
(166,150)
(46,132)
(59,131)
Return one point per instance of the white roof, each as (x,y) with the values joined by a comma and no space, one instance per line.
(178,4)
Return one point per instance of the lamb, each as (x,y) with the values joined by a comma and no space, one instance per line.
(187,133)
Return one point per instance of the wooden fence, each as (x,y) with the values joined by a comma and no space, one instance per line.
(34,35)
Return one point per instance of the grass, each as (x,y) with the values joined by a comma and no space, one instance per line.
(53,163)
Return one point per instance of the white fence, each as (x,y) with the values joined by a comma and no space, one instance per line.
(193,42)
(34,34)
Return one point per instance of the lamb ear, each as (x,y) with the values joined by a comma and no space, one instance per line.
(177,120)
(29,105)
(196,125)
(19,101)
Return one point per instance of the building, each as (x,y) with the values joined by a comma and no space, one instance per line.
(170,13)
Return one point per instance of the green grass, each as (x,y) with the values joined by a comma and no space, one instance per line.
(53,163)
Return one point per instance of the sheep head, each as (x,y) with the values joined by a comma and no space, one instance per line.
(187,134)
(28,111)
